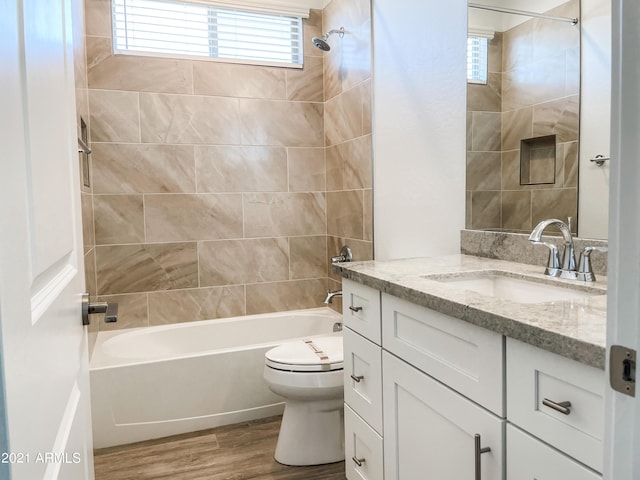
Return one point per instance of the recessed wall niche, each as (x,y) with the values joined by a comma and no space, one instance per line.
(538,160)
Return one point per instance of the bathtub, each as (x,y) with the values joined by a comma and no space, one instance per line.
(158,381)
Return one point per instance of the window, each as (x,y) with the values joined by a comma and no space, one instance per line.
(177,28)
(477,59)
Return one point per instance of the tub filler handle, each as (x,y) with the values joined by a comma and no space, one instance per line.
(110,310)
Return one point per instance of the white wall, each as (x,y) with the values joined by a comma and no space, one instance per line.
(595,123)
(419,126)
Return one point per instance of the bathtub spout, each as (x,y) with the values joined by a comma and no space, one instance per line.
(330,296)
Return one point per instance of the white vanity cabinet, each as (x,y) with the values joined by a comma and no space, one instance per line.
(429,396)
(362,382)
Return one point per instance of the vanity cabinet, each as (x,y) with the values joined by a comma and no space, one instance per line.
(431,396)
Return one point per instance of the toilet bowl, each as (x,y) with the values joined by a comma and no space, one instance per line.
(309,375)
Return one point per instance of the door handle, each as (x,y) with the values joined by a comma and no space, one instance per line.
(110,310)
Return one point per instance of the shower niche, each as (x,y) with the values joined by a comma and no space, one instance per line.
(538,161)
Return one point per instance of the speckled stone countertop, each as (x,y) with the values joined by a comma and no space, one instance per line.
(573,328)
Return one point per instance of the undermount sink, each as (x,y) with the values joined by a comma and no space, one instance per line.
(521,290)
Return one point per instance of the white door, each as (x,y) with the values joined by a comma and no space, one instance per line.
(622,412)
(47,434)
(429,430)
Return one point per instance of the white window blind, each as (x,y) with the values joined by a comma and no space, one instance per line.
(177,28)
(477,59)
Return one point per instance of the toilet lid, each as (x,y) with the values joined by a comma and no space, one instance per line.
(310,355)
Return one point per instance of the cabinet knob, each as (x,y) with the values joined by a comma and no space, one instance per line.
(562,407)
(355,309)
(358,461)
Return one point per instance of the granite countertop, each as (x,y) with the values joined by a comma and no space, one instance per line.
(574,328)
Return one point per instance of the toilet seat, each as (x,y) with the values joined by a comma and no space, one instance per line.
(319,354)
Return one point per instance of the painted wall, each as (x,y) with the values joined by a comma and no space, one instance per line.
(419,91)
(212,196)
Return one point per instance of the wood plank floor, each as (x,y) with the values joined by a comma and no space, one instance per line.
(235,452)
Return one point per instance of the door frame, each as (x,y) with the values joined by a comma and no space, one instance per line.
(622,413)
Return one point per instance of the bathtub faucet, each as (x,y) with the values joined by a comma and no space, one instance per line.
(330,296)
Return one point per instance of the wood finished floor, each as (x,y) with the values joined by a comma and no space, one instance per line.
(235,452)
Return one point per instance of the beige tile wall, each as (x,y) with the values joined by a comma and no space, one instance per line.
(86,193)
(533,90)
(222,189)
(347,89)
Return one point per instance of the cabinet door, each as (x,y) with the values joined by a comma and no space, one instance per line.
(429,429)
(530,459)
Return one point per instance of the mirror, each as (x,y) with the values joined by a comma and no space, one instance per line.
(525,162)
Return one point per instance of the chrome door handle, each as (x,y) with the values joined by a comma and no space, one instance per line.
(355,309)
(357,378)
(478,450)
(110,310)
(358,461)
(562,407)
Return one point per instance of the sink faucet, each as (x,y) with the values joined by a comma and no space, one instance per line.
(330,296)
(554,268)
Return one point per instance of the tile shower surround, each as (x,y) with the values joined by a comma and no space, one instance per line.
(533,90)
(223,189)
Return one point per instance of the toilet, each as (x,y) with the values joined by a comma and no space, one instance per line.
(309,375)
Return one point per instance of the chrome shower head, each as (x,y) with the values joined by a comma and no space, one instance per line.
(321,42)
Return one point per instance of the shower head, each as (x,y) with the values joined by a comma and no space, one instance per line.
(321,42)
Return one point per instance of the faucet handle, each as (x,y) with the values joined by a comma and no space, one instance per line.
(585,271)
(553,263)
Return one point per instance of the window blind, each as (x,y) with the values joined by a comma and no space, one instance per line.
(477,59)
(178,28)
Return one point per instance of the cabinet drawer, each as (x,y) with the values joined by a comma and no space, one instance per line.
(362,449)
(363,378)
(530,459)
(467,358)
(361,309)
(534,375)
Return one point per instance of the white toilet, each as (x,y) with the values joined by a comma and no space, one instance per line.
(308,374)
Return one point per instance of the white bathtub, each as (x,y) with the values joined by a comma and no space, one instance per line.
(158,381)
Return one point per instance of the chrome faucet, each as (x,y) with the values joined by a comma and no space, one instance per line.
(566,269)
(330,296)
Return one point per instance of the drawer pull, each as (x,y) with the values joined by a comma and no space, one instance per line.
(479,451)
(358,461)
(357,378)
(562,407)
(355,309)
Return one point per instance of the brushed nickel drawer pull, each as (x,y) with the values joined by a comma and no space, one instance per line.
(357,378)
(358,461)
(478,450)
(562,407)
(355,309)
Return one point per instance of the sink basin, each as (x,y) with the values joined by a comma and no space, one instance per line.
(521,290)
